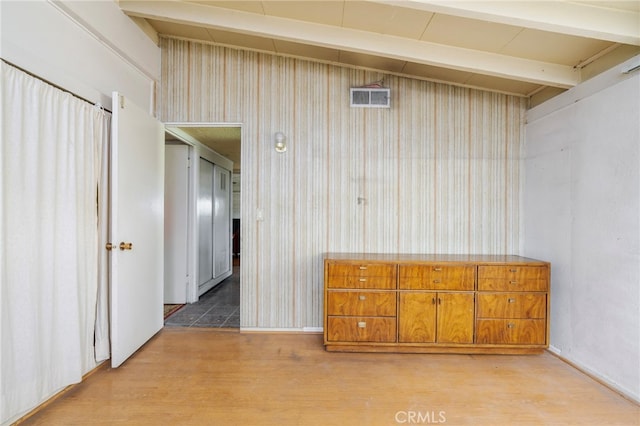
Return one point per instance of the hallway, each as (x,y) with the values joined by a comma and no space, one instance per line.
(217,308)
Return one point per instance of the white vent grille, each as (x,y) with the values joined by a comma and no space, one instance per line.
(365,97)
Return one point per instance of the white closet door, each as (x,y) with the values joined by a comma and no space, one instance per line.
(176,223)
(221,221)
(205,222)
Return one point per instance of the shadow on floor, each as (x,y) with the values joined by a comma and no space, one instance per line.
(218,307)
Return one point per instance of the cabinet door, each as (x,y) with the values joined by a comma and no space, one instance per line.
(417,317)
(455,318)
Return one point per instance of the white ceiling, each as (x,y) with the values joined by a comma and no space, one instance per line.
(223,140)
(535,49)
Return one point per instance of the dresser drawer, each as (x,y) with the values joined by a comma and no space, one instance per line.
(513,278)
(436,277)
(362,270)
(382,283)
(512,305)
(513,272)
(361,329)
(511,331)
(501,284)
(361,303)
(374,276)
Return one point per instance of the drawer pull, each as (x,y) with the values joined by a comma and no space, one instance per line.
(437,269)
(513,270)
(511,325)
(362,280)
(362,297)
(513,282)
(433,300)
(511,300)
(363,268)
(436,281)
(362,324)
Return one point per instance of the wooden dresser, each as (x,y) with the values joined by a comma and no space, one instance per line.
(435,303)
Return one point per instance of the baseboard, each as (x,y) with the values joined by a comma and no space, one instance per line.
(59,394)
(303,330)
(593,375)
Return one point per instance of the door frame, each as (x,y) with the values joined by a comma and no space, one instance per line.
(198,150)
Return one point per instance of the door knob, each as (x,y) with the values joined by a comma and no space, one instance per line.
(109,246)
(126,246)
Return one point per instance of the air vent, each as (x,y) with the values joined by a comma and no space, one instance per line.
(365,97)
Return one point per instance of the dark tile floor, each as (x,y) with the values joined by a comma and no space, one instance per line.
(219,307)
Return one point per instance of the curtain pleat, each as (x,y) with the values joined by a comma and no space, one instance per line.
(102,343)
(50,155)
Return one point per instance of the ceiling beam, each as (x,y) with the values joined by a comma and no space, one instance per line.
(351,40)
(566,17)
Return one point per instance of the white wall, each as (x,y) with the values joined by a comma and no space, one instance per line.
(87,48)
(581,213)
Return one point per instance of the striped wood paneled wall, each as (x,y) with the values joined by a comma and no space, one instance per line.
(438,172)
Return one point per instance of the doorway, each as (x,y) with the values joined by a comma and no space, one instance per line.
(211,265)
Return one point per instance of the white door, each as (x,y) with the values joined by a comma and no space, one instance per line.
(176,223)
(136,228)
(221,221)
(205,223)
(214,225)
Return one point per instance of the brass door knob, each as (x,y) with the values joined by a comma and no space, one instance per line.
(126,246)
(109,246)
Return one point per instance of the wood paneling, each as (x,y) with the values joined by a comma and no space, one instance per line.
(438,172)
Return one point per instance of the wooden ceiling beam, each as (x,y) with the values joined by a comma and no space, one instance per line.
(575,18)
(357,41)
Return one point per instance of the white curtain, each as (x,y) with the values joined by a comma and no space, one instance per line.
(50,157)
(102,342)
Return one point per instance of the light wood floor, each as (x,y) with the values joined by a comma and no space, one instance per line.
(223,377)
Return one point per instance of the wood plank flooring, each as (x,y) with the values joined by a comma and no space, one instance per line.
(223,377)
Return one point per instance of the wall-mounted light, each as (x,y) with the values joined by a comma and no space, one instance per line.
(280,145)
